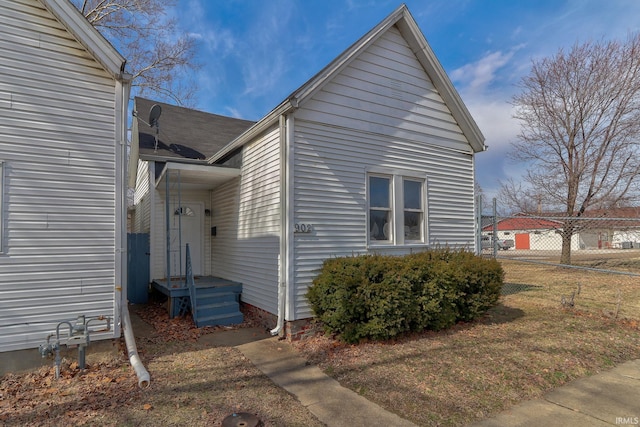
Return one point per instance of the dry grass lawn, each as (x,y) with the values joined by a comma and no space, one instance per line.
(527,345)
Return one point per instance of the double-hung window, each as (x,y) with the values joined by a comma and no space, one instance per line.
(396,209)
(380,209)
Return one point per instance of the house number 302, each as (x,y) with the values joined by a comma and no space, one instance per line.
(303,228)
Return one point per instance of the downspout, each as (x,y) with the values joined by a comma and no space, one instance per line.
(132,351)
(283,264)
(121,99)
(282,258)
(122,105)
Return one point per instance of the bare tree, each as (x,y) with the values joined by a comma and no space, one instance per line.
(580,130)
(158,55)
(518,198)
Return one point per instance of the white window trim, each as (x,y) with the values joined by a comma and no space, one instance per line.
(391,209)
(423,185)
(397,177)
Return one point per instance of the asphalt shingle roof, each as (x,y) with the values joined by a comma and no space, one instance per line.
(185,133)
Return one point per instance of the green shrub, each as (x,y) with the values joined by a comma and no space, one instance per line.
(379,297)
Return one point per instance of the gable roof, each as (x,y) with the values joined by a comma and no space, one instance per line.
(183,133)
(88,36)
(524,223)
(402,19)
(614,218)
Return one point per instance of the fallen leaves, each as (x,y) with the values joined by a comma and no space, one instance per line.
(75,396)
(177,329)
(192,384)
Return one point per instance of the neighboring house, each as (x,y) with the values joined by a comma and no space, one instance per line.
(374,154)
(531,233)
(615,228)
(184,141)
(63,102)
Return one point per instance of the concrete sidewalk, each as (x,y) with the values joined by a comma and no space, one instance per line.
(605,399)
(332,404)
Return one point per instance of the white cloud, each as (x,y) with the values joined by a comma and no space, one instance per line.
(234,112)
(477,76)
(263,72)
(495,121)
(263,57)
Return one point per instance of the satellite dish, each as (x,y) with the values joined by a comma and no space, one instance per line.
(154,115)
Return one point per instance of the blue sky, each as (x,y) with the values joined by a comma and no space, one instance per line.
(254,52)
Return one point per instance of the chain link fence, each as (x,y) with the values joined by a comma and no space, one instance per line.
(591,262)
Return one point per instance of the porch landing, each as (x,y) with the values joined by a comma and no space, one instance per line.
(217,299)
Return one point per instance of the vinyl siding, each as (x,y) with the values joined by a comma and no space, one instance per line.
(158,243)
(142,200)
(143,182)
(57,133)
(246,214)
(382,112)
(386,91)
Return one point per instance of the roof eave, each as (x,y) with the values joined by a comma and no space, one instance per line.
(288,105)
(87,35)
(409,28)
(418,43)
(306,91)
(318,81)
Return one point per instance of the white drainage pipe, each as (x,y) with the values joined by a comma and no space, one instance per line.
(132,351)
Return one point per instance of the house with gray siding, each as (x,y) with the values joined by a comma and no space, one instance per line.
(63,117)
(374,154)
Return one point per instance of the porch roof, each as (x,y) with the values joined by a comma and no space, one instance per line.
(195,176)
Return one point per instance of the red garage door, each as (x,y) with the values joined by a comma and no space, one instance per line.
(522,241)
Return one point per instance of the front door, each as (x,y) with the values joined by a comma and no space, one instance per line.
(187,219)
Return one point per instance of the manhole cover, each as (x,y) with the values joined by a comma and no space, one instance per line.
(241,419)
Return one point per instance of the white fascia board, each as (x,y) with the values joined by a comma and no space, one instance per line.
(307,90)
(263,124)
(411,32)
(317,82)
(202,171)
(88,36)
